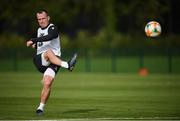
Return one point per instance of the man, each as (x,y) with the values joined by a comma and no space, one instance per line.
(47,58)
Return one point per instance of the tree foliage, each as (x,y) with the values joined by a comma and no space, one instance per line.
(103,21)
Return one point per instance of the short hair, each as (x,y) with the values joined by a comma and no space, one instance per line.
(43,10)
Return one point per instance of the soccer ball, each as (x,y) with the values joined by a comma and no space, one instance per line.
(153,29)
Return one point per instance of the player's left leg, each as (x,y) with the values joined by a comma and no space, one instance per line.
(51,57)
(48,79)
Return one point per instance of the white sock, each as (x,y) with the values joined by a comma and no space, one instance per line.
(64,64)
(41,106)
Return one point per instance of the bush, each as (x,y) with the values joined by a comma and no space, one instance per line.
(11,41)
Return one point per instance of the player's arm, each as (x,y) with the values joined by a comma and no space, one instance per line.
(52,33)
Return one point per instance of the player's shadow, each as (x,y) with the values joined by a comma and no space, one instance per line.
(80,111)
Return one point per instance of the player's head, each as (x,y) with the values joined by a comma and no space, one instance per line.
(43,18)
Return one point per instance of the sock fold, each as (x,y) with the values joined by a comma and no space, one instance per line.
(41,106)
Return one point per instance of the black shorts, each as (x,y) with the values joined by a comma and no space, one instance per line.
(38,63)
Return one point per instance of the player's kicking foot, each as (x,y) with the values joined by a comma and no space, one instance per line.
(72,62)
(39,112)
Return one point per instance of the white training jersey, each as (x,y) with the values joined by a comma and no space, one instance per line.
(53,44)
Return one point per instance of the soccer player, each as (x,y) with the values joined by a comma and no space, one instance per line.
(47,58)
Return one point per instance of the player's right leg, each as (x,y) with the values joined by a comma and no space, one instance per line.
(52,58)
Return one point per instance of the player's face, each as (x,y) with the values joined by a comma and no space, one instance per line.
(43,19)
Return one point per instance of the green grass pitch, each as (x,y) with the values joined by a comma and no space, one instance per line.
(103,96)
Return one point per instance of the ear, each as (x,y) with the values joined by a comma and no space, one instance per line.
(48,18)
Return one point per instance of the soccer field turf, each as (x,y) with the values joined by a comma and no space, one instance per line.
(103,96)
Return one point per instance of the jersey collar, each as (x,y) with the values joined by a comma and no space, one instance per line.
(45,27)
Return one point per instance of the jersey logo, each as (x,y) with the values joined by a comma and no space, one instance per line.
(40,44)
(41,34)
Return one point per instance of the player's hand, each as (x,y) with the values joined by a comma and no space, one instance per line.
(34,45)
(29,43)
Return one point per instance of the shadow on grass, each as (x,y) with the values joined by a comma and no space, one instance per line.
(80,111)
